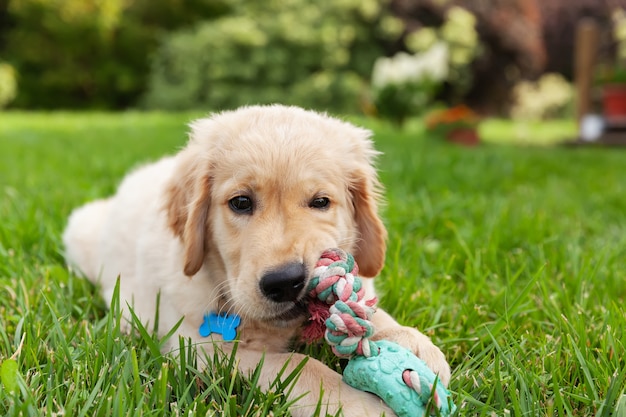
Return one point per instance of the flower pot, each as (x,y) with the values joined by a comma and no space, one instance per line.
(614,102)
(467,136)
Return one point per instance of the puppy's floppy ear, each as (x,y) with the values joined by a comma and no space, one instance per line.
(371,246)
(187,205)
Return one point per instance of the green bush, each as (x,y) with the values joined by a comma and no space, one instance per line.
(8,84)
(90,53)
(314,54)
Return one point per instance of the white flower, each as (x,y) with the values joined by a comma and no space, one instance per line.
(404,68)
(437,58)
(382,72)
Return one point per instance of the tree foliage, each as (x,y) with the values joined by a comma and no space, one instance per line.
(77,53)
(314,54)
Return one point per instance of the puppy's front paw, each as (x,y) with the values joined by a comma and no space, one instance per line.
(421,346)
(364,404)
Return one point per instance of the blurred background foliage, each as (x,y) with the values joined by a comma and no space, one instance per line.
(215,54)
(316,54)
(89,53)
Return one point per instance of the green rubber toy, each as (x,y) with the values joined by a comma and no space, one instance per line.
(388,375)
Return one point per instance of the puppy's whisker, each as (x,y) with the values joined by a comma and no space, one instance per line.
(231,306)
(214,294)
(228,307)
(349,241)
(220,291)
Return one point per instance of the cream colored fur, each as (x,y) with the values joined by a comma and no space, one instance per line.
(169,230)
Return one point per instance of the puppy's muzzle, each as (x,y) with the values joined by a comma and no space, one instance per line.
(285,283)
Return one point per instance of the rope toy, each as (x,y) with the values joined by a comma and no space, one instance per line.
(384,368)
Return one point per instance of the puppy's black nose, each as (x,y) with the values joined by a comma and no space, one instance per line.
(284,284)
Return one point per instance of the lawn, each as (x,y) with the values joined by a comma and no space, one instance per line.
(512,258)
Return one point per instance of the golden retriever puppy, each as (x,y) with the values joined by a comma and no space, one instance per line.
(235,223)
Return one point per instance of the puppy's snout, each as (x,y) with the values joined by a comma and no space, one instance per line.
(285,283)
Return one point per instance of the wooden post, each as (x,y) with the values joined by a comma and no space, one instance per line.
(586,44)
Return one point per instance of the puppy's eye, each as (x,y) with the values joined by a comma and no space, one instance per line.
(320,203)
(241,204)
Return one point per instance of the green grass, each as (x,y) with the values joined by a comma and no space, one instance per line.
(511,258)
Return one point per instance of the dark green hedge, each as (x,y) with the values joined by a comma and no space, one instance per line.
(89,53)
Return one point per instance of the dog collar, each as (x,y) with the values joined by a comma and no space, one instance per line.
(222,323)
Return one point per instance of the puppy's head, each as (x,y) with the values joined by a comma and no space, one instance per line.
(260,192)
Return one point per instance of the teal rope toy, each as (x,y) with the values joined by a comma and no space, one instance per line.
(384,368)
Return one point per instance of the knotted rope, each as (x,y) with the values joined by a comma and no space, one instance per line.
(348,325)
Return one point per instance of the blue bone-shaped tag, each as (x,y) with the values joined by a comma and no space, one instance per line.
(224,324)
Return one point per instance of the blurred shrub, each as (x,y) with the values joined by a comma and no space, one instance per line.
(90,53)
(407,85)
(314,54)
(458,32)
(511,45)
(551,96)
(8,84)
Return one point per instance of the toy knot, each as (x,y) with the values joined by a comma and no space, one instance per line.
(348,327)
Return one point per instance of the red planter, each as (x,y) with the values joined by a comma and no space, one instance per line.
(464,136)
(614,102)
